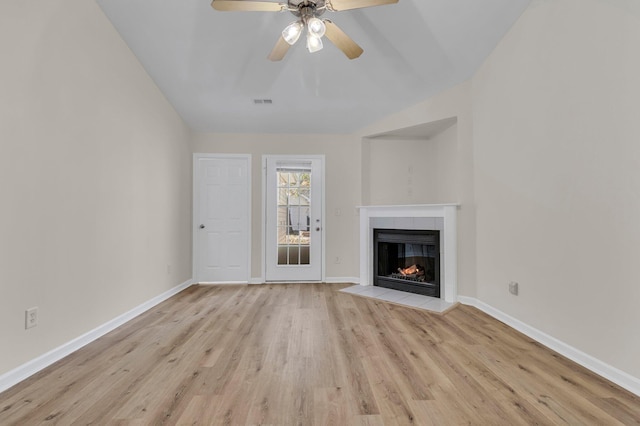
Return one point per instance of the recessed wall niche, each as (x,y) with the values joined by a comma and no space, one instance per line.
(414,165)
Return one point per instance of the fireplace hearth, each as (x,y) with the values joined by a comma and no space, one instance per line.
(407,260)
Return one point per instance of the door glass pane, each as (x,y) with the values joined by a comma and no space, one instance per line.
(294,222)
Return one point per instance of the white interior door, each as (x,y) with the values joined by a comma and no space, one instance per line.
(222,218)
(294,206)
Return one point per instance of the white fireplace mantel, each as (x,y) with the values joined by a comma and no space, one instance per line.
(448,258)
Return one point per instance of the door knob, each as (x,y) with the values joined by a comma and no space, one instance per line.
(201,226)
(318,228)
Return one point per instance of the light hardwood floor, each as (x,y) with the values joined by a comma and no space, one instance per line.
(307,354)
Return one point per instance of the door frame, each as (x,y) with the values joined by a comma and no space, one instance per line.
(196,208)
(297,158)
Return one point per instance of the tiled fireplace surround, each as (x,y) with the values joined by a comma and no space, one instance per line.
(441,217)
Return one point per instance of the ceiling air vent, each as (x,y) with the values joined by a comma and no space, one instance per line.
(263,101)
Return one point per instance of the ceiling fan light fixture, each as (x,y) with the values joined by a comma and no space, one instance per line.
(316,27)
(292,32)
(314,43)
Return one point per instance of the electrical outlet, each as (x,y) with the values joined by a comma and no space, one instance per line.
(513,288)
(30,317)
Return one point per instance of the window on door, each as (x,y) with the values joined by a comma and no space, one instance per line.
(294,216)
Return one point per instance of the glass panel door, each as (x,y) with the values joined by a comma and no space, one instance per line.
(293,246)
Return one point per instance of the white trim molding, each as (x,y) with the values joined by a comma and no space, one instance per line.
(619,377)
(328,280)
(342,280)
(30,368)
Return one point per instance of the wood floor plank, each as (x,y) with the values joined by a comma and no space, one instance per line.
(307,354)
(347,354)
(392,399)
(329,408)
(533,391)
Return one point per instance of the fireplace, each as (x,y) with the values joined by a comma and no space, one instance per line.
(441,217)
(407,260)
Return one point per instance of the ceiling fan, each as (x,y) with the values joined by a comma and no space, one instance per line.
(308,13)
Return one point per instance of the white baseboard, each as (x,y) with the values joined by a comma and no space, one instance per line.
(28,369)
(341,280)
(619,377)
(330,280)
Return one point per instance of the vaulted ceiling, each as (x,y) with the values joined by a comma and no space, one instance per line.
(213,65)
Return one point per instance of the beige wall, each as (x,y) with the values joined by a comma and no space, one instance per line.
(342,180)
(95,178)
(399,171)
(441,168)
(557,150)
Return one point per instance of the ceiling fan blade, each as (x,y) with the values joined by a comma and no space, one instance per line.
(342,41)
(279,50)
(247,6)
(339,5)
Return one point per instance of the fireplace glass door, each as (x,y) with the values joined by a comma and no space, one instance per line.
(407,260)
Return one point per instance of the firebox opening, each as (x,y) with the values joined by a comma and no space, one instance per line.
(407,260)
